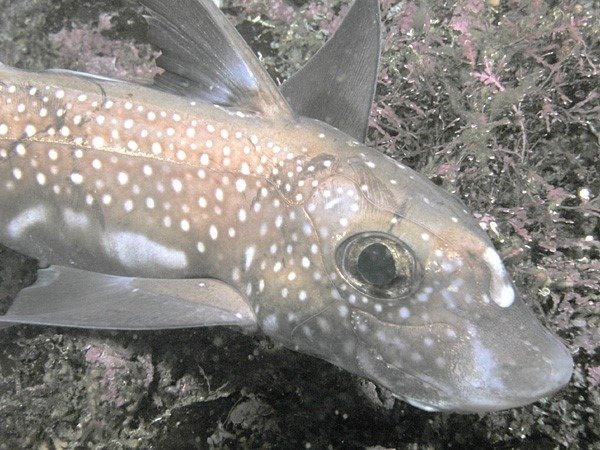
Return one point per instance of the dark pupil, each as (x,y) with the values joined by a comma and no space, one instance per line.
(376,265)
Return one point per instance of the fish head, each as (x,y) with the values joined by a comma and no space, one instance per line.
(422,301)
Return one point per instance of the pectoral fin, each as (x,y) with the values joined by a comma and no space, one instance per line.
(64,296)
(337,84)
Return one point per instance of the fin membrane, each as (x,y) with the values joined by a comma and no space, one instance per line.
(64,296)
(205,58)
(337,84)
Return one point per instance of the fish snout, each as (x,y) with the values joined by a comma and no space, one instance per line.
(463,367)
(531,363)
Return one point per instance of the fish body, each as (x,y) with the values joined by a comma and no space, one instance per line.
(158,209)
(116,166)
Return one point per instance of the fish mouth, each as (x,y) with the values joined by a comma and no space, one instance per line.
(473,381)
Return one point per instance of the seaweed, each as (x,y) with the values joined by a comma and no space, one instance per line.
(497,101)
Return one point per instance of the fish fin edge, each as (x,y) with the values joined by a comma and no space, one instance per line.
(205,58)
(64,296)
(337,85)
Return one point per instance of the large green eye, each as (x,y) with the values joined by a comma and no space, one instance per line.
(379,265)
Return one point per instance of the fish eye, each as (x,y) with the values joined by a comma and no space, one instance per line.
(379,265)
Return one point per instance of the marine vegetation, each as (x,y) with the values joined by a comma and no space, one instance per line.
(446,107)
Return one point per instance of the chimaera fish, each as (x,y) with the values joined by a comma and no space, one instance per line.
(214,198)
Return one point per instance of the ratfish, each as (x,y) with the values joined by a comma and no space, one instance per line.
(213,197)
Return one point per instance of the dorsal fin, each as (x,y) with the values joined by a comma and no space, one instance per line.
(205,58)
(337,84)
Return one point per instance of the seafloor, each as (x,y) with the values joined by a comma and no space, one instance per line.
(495,100)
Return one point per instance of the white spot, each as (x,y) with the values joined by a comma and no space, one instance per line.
(30,130)
(404,312)
(214,233)
(324,324)
(156,148)
(270,323)
(75,219)
(134,250)
(77,178)
(331,203)
(240,185)
(26,219)
(123,178)
(177,185)
(501,290)
(98,142)
(250,252)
